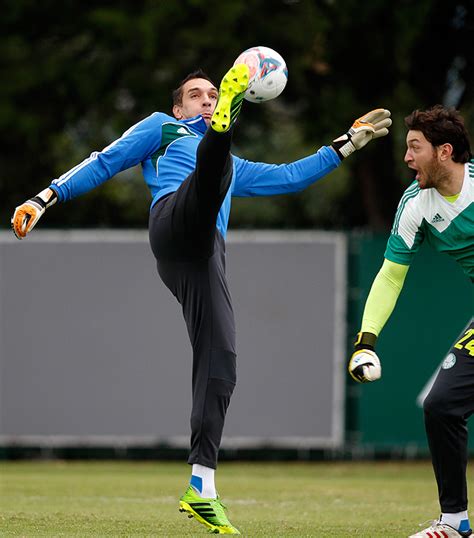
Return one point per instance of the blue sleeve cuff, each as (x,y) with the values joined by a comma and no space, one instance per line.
(56,189)
(337,157)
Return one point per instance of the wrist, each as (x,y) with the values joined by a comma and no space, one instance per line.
(365,340)
(343,146)
(46,198)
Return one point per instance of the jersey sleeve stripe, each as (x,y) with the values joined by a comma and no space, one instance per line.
(67,175)
(410,193)
(62,179)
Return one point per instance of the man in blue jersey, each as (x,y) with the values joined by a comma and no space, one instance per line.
(439,207)
(192,175)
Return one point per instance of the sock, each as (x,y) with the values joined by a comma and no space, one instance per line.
(459,521)
(202,480)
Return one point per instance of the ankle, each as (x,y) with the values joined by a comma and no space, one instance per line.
(202,480)
(458,520)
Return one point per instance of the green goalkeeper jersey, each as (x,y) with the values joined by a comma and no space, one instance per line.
(447,226)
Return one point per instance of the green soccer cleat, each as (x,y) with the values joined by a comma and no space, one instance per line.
(231,94)
(209,512)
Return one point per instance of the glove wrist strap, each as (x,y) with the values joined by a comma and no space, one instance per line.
(343,146)
(365,341)
(45,198)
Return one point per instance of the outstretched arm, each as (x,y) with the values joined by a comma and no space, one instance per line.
(364,364)
(130,149)
(260,179)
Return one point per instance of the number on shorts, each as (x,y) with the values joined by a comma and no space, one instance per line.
(466,342)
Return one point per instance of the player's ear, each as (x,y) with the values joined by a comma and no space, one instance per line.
(445,151)
(177,113)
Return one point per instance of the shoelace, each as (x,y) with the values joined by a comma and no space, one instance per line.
(432,522)
(218,499)
(220,509)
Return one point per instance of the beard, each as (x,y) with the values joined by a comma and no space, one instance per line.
(434,175)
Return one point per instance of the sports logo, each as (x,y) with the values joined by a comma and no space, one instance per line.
(437,218)
(449,362)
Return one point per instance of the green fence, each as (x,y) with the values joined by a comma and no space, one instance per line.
(434,306)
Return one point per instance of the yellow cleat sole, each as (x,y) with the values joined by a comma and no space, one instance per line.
(233,85)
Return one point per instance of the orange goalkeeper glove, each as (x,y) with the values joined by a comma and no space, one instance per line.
(26,215)
(372,125)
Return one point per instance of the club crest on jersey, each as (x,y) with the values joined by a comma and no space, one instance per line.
(449,362)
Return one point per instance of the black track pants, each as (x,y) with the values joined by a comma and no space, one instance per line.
(447,408)
(190,254)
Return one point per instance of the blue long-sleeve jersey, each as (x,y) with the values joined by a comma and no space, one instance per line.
(166,149)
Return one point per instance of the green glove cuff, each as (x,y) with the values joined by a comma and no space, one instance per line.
(365,341)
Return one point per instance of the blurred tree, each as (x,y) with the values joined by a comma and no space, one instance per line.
(75,76)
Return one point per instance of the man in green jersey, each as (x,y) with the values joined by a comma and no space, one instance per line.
(439,207)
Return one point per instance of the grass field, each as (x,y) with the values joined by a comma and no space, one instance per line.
(264,499)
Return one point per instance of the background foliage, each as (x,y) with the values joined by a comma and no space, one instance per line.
(76,75)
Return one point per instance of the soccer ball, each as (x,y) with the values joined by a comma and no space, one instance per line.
(268,73)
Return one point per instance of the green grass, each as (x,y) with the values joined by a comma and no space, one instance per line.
(264,499)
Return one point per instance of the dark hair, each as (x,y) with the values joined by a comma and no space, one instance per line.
(442,125)
(178,93)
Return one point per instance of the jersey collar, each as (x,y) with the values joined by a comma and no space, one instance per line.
(197,123)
